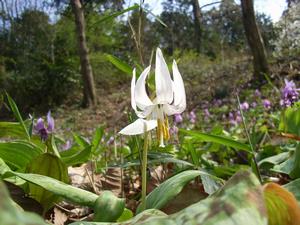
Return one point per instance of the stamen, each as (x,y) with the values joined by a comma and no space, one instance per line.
(166,129)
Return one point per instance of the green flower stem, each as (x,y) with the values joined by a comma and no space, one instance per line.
(255,165)
(144,172)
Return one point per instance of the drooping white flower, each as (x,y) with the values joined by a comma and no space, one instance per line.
(170,99)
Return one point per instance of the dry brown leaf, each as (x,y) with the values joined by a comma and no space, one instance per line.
(59,217)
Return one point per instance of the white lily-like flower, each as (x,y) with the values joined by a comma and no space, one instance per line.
(170,99)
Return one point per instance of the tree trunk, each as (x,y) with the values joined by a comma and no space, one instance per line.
(255,41)
(197,22)
(89,92)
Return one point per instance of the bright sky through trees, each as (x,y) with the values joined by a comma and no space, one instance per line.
(272,8)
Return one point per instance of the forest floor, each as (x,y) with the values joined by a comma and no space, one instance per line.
(113,103)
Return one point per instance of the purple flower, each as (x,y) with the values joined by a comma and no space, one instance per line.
(267,103)
(257,93)
(50,122)
(232,118)
(41,129)
(235,118)
(217,102)
(192,117)
(206,113)
(178,118)
(244,106)
(253,104)
(289,94)
(174,130)
(238,119)
(110,140)
(67,145)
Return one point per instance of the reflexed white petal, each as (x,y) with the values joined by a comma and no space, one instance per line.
(179,91)
(133,104)
(139,127)
(140,95)
(172,109)
(163,82)
(146,112)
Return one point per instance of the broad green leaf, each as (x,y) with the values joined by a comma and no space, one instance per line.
(13,179)
(108,207)
(77,157)
(294,187)
(51,146)
(169,189)
(143,218)
(281,204)
(17,114)
(276,159)
(124,67)
(126,215)
(97,139)
(10,214)
(291,166)
(217,139)
(18,153)
(290,121)
(51,166)
(12,130)
(59,188)
(3,167)
(210,185)
(155,159)
(81,140)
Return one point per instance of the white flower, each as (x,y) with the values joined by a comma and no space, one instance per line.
(170,99)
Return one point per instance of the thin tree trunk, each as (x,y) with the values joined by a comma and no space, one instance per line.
(197,22)
(86,69)
(255,40)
